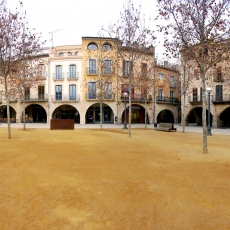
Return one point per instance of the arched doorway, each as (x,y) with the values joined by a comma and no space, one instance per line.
(195,117)
(225,118)
(165,116)
(3,114)
(66,112)
(137,114)
(93,114)
(35,113)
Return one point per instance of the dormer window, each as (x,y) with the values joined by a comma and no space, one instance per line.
(61,54)
(92,46)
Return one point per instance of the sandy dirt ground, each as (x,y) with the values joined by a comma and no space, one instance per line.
(92,179)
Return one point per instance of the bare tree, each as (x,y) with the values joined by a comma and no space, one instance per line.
(16,43)
(200,30)
(133,39)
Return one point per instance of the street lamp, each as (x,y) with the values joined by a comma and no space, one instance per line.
(209,90)
(125,94)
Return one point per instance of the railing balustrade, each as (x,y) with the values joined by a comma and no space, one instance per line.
(65,97)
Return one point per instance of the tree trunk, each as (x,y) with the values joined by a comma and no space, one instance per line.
(205,144)
(7,108)
(24,113)
(101,111)
(145,115)
(183,117)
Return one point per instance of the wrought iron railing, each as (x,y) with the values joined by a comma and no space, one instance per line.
(220,98)
(91,70)
(97,96)
(138,98)
(58,76)
(73,75)
(193,99)
(35,97)
(167,99)
(65,97)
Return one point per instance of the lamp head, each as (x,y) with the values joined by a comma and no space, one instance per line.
(209,90)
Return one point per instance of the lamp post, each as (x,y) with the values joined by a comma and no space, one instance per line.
(125,94)
(209,90)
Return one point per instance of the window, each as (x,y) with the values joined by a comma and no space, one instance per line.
(72,92)
(92,69)
(92,90)
(58,92)
(172,95)
(107,67)
(107,88)
(27,93)
(127,68)
(160,94)
(61,54)
(172,81)
(92,46)
(106,46)
(126,88)
(76,53)
(69,54)
(41,92)
(58,72)
(143,69)
(219,93)
(72,71)
(41,70)
(219,75)
(194,94)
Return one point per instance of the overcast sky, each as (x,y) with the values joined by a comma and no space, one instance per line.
(75,18)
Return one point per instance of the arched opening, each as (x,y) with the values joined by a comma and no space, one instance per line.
(93,114)
(195,117)
(137,114)
(66,112)
(35,113)
(165,116)
(3,114)
(225,118)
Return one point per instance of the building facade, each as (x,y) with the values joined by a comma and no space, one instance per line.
(76,78)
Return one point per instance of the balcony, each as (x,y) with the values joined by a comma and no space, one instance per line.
(138,98)
(172,85)
(42,75)
(195,100)
(167,100)
(58,76)
(96,96)
(107,71)
(73,76)
(91,71)
(35,97)
(65,98)
(220,99)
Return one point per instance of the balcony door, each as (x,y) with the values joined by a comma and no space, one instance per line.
(160,94)
(58,92)
(27,93)
(72,92)
(92,90)
(194,94)
(219,93)
(58,72)
(41,92)
(72,72)
(92,66)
